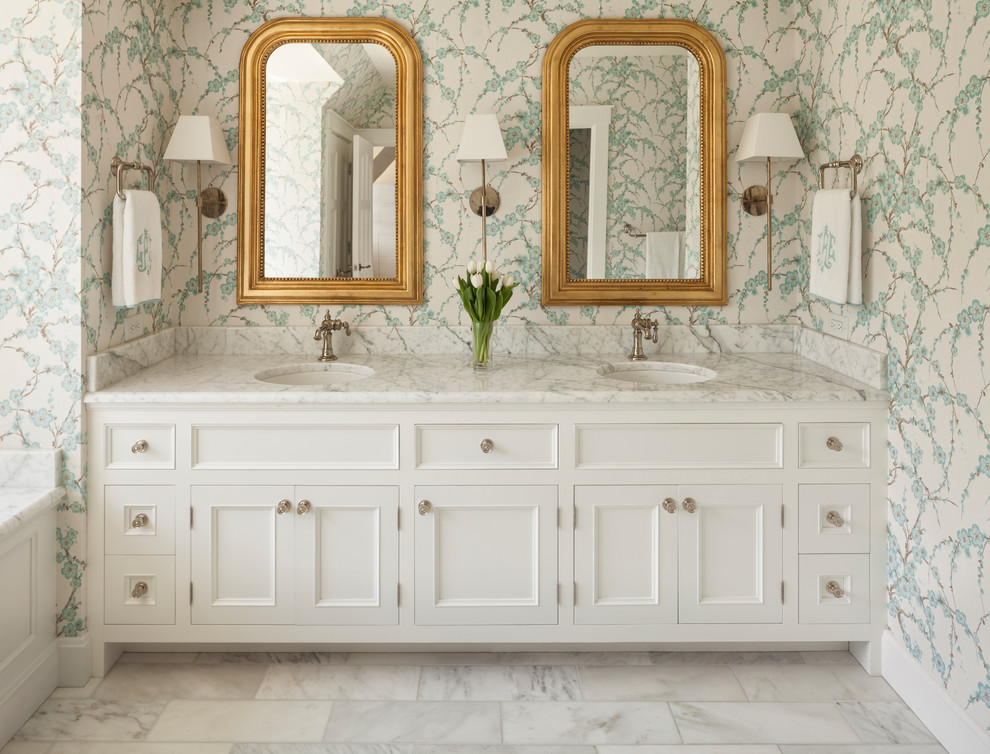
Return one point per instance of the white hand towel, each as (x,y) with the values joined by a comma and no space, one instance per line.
(837,247)
(137,249)
(663,255)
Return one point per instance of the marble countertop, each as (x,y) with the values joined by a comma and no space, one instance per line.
(18,505)
(449,378)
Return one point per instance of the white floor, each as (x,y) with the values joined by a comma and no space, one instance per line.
(517,703)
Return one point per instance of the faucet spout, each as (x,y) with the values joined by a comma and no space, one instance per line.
(643,325)
(325,331)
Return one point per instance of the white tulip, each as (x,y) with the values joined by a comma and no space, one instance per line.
(457,282)
(477,281)
(494,274)
(489,267)
(472,267)
(508,280)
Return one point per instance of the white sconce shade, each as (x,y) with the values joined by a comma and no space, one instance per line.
(197,138)
(769,135)
(482,140)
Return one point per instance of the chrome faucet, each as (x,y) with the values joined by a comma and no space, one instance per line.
(325,331)
(642,325)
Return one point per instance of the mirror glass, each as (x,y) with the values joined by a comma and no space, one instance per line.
(330,162)
(633,148)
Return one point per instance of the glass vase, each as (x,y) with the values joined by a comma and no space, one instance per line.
(481,333)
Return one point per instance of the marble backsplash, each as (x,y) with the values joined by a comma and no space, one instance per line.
(863,364)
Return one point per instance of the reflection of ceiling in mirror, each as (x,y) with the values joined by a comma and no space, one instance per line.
(300,62)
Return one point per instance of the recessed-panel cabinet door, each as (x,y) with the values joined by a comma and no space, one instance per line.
(730,553)
(242,554)
(625,554)
(347,555)
(486,555)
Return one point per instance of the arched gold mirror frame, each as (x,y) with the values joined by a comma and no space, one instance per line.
(252,285)
(710,288)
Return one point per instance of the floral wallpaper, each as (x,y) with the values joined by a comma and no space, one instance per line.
(900,83)
(41,342)
(647,148)
(903,85)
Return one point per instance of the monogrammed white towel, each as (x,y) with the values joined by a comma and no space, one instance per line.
(837,247)
(137,249)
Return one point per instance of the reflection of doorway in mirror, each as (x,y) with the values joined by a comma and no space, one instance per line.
(335,198)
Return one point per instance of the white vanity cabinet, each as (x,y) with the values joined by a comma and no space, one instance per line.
(569,525)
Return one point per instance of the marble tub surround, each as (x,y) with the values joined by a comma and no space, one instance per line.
(509,703)
(18,505)
(28,486)
(445,378)
(115,364)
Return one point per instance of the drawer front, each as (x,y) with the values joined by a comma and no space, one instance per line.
(834,518)
(140,446)
(834,589)
(679,446)
(486,446)
(830,445)
(127,602)
(319,446)
(139,520)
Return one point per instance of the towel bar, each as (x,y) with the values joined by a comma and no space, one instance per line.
(118,167)
(854,164)
(632,231)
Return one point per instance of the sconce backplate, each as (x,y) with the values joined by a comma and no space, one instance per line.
(491,201)
(212,202)
(754,200)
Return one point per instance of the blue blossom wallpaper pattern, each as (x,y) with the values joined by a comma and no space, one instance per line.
(901,83)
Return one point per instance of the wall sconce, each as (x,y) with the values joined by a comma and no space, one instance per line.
(767,136)
(198,138)
(482,142)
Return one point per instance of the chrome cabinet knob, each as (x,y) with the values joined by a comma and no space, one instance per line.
(834,443)
(304,507)
(140,589)
(834,589)
(834,518)
(487,446)
(139,447)
(284,506)
(424,507)
(689,505)
(140,520)
(670,505)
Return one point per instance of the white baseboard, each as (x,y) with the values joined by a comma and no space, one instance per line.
(75,660)
(26,692)
(947,721)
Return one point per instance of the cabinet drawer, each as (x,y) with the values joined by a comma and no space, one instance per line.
(139,446)
(679,446)
(318,446)
(850,574)
(139,520)
(486,446)
(834,518)
(125,601)
(830,445)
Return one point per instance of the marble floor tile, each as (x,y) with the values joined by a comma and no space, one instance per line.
(811,683)
(157,658)
(761,722)
(726,658)
(885,723)
(241,721)
(587,723)
(103,747)
(865,749)
(180,682)
(422,658)
(415,722)
(322,748)
(829,657)
(76,692)
(26,747)
(91,720)
(502,749)
(273,658)
(575,658)
(691,749)
(382,682)
(695,683)
(499,683)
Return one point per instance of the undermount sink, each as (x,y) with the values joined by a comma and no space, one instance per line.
(657,372)
(316,373)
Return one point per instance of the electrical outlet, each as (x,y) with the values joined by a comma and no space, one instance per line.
(837,325)
(132,326)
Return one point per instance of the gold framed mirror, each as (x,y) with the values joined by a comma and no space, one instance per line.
(634,188)
(330,164)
